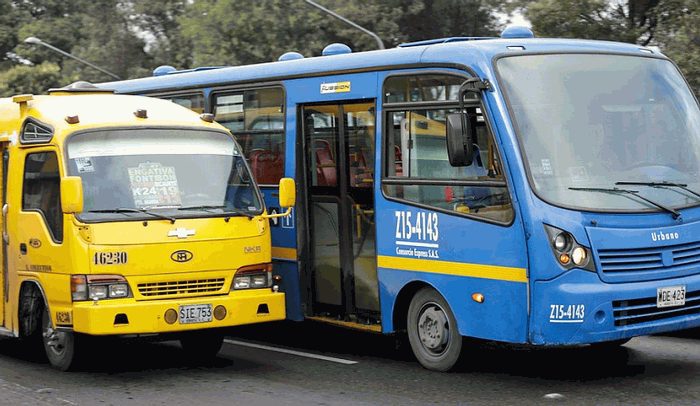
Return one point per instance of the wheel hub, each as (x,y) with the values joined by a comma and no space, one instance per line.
(54,339)
(433,328)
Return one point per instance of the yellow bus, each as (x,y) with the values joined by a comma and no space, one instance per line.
(126,215)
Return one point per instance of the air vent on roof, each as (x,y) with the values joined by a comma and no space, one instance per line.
(79,87)
(35,133)
(517,31)
(290,56)
(163,70)
(336,49)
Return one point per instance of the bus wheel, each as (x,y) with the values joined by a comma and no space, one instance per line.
(432,331)
(59,345)
(202,344)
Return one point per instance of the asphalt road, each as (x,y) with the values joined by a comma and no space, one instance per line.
(360,368)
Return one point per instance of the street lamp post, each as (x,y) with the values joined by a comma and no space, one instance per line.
(37,41)
(380,44)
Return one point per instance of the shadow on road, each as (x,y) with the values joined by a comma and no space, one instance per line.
(112,356)
(572,363)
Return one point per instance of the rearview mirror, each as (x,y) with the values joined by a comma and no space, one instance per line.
(72,194)
(287,192)
(460,149)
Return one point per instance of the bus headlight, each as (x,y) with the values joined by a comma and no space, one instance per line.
(568,252)
(561,242)
(253,277)
(119,290)
(579,256)
(96,292)
(98,287)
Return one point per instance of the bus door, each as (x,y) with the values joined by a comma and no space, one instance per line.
(35,218)
(4,152)
(339,148)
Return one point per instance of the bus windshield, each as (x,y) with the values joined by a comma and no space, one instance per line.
(589,123)
(170,172)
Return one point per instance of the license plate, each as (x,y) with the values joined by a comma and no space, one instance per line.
(200,313)
(670,296)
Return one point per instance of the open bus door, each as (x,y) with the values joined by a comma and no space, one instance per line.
(339,148)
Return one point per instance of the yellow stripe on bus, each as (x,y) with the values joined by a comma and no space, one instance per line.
(501,273)
(284,253)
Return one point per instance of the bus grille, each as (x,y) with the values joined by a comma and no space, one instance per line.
(637,311)
(649,263)
(177,288)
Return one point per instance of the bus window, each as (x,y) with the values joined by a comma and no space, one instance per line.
(42,190)
(417,151)
(194,102)
(256,119)
(423,88)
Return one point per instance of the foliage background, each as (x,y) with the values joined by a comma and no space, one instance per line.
(131,38)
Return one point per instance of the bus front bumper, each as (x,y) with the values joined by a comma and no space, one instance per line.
(578,308)
(128,316)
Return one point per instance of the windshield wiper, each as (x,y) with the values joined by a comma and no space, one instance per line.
(132,210)
(675,214)
(208,208)
(663,184)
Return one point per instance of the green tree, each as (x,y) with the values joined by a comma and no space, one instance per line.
(634,21)
(249,31)
(671,25)
(681,42)
(159,20)
(30,79)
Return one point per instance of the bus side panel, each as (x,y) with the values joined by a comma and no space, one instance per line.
(466,257)
(284,254)
(502,316)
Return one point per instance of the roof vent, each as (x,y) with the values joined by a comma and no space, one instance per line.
(80,87)
(163,70)
(336,49)
(517,31)
(290,56)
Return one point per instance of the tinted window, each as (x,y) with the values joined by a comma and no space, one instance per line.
(416,163)
(42,190)
(256,119)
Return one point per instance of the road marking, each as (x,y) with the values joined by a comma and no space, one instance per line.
(292,352)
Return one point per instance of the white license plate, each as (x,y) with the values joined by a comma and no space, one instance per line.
(200,313)
(670,296)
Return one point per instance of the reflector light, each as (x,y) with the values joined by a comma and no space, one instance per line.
(72,119)
(170,316)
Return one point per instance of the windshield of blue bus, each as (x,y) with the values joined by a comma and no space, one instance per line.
(588,122)
(171,172)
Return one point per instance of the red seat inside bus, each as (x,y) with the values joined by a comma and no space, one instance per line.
(325,164)
(267,166)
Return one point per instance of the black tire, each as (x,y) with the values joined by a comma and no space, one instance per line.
(202,345)
(432,331)
(60,346)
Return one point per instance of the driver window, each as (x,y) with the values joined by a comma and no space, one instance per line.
(417,168)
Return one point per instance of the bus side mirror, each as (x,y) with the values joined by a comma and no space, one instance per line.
(72,194)
(460,141)
(287,192)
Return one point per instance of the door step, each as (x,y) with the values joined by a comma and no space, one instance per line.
(375,328)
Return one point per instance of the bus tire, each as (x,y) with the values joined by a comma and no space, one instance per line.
(60,346)
(432,331)
(202,345)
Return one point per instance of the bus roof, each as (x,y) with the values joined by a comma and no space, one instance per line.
(95,110)
(456,52)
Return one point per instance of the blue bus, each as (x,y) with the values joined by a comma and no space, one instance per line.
(516,189)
